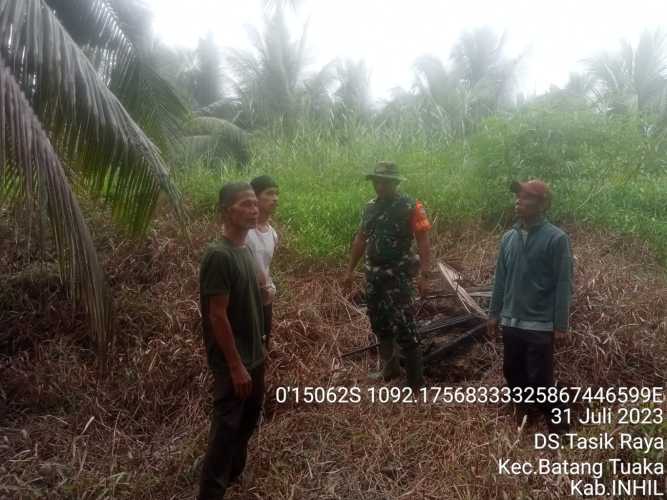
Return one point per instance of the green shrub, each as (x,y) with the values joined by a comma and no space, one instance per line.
(603,172)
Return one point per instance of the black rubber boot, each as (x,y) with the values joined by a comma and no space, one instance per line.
(414,367)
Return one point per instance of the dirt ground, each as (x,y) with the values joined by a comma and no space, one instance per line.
(139,430)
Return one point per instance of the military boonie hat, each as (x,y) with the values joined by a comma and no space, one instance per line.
(385,170)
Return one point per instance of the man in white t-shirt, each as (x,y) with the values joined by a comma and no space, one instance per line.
(262,241)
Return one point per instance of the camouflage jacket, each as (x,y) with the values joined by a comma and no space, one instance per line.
(387,227)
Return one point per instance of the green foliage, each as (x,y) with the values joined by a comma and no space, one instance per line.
(202,183)
(604,172)
(213,140)
(477,84)
(117,40)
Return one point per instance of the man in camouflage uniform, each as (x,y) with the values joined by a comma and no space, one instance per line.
(389,225)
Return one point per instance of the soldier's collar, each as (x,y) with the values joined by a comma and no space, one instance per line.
(396,196)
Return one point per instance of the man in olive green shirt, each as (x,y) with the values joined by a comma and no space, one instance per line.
(532,291)
(233,323)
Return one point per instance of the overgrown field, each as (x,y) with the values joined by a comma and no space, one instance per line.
(139,431)
(604,172)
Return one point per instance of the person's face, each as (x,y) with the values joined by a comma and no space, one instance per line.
(527,206)
(268,200)
(243,213)
(384,188)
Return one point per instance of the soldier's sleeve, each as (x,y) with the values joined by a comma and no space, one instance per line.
(419,221)
(363,229)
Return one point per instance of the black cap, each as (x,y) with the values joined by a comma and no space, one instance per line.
(262,183)
(229,192)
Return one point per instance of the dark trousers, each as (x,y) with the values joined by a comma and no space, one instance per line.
(232,423)
(268,319)
(529,361)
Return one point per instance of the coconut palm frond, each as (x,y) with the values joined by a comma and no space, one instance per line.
(87,124)
(315,93)
(353,93)
(632,79)
(433,78)
(225,108)
(268,79)
(439,93)
(610,80)
(207,125)
(96,26)
(223,137)
(650,68)
(116,36)
(31,170)
(479,81)
(476,53)
(153,104)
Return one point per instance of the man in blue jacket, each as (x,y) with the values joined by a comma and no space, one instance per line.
(531,294)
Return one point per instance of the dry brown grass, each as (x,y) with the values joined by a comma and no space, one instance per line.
(139,431)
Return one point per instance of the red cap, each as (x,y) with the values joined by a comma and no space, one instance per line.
(533,187)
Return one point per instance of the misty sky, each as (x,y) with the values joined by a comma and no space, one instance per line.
(390,34)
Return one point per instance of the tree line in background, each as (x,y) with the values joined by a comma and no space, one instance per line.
(273,87)
(91,104)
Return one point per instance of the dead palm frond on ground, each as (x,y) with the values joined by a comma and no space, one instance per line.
(142,432)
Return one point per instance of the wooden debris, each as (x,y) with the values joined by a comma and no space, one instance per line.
(475,318)
(431,329)
(452,278)
(445,349)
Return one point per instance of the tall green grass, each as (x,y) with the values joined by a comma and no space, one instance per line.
(603,172)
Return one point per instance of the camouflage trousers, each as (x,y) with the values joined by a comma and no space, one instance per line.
(390,298)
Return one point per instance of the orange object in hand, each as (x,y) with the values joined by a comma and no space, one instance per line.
(419,221)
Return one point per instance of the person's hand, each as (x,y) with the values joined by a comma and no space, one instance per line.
(491,327)
(264,287)
(241,381)
(265,293)
(561,337)
(268,293)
